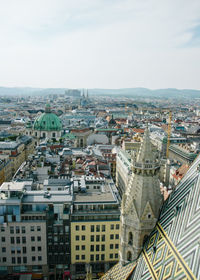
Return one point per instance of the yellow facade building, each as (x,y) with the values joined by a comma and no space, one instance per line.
(95,228)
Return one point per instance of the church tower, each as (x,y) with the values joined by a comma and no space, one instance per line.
(141,202)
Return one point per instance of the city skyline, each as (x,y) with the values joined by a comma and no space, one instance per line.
(100,44)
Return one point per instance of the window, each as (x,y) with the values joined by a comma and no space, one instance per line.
(12,250)
(17,229)
(97,248)
(77,247)
(39,258)
(18,250)
(23,239)
(97,228)
(77,227)
(111,236)
(102,247)
(33,258)
(18,240)
(77,237)
(4,259)
(13,260)
(91,248)
(102,257)
(38,228)
(130,238)
(24,259)
(97,238)
(83,227)
(117,226)
(129,256)
(39,238)
(2,229)
(23,230)
(92,238)
(33,249)
(24,250)
(92,228)
(32,228)
(103,237)
(3,249)
(83,247)
(97,257)
(11,230)
(3,239)
(112,226)
(116,236)
(111,256)
(77,257)
(116,256)
(39,249)
(18,259)
(83,257)
(83,237)
(32,238)
(103,228)
(111,246)
(91,258)
(116,246)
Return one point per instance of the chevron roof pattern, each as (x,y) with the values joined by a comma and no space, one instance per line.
(172,250)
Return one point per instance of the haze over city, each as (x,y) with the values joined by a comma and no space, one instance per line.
(100,44)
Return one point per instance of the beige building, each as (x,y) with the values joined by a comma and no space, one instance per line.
(95,227)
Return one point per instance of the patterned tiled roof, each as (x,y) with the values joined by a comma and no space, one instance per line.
(172,250)
(119,272)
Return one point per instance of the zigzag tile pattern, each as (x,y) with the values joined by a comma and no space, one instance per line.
(172,251)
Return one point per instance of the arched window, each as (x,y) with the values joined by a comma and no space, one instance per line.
(129,256)
(43,135)
(81,142)
(53,134)
(130,238)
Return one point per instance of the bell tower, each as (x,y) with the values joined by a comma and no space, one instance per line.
(141,201)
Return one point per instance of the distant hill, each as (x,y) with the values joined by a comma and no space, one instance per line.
(144,92)
(24,91)
(126,92)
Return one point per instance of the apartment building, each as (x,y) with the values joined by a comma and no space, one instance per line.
(95,225)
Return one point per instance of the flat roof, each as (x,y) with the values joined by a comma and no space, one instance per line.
(98,196)
(12,186)
(39,197)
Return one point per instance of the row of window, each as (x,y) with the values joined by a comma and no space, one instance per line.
(98,237)
(22,229)
(98,247)
(19,250)
(97,257)
(19,240)
(19,260)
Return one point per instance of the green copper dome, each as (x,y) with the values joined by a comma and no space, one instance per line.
(47,121)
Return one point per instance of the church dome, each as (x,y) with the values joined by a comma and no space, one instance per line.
(47,121)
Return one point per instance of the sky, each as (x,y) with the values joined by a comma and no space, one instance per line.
(100,43)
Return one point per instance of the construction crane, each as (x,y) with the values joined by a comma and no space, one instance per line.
(169,133)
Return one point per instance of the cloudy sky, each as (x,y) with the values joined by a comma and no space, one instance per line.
(100,43)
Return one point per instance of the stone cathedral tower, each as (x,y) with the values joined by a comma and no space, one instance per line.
(141,202)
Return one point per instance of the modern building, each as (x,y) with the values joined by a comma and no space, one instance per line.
(34,230)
